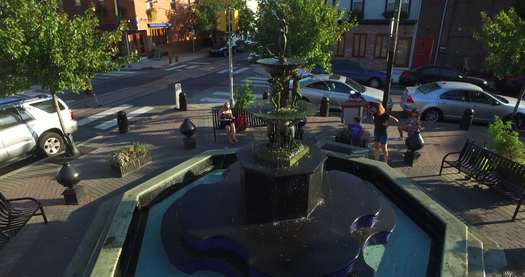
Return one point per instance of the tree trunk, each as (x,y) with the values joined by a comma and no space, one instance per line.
(57,110)
(522,93)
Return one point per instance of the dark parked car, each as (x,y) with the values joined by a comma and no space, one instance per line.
(428,74)
(357,72)
(510,85)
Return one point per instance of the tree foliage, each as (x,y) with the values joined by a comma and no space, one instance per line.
(246,21)
(206,13)
(313,29)
(41,45)
(504,38)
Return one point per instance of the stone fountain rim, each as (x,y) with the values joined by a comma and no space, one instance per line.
(110,250)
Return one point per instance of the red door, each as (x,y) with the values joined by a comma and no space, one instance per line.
(423,53)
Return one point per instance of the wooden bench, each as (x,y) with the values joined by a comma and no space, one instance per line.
(490,169)
(12,219)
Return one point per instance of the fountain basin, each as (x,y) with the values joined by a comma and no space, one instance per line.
(122,244)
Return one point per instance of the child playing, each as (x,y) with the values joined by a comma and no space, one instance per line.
(357,131)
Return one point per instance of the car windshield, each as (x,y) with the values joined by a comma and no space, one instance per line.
(427,88)
(355,85)
(502,99)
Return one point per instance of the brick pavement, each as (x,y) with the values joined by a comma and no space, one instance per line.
(46,250)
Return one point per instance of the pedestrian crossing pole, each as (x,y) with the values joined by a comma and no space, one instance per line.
(230,58)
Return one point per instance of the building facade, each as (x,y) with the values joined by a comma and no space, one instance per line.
(368,42)
(446,33)
(149,23)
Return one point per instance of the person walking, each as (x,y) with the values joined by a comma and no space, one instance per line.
(227,122)
(382,120)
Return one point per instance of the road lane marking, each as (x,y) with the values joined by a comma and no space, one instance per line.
(223,71)
(176,67)
(192,67)
(112,123)
(241,70)
(103,114)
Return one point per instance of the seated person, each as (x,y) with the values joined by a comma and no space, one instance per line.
(357,131)
(227,122)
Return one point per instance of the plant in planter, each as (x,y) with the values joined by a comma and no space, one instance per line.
(130,158)
(243,97)
(505,141)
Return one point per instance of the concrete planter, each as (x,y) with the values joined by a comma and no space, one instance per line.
(132,166)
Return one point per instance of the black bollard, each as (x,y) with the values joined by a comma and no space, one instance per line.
(466,119)
(183,102)
(122,121)
(68,176)
(300,132)
(325,107)
(265,95)
(187,128)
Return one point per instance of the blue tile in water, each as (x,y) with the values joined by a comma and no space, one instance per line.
(406,253)
(153,260)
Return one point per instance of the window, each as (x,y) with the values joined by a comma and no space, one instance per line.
(24,115)
(338,87)
(403,51)
(427,88)
(455,95)
(318,85)
(357,6)
(359,46)
(47,106)
(391,6)
(7,119)
(381,46)
(480,98)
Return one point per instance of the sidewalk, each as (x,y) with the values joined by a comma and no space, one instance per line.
(146,63)
(55,244)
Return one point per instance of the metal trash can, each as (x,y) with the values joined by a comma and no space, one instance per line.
(466,119)
(122,121)
(324,110)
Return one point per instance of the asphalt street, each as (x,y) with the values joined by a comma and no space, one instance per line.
(203,80)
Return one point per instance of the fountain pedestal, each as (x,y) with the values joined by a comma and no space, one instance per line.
(273,194)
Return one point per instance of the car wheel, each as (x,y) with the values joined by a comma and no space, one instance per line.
(432,115)
(51,144)
(374,82)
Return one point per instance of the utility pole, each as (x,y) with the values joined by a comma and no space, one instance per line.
(392,48)
(230,34)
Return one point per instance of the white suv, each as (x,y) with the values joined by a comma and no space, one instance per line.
(28,124)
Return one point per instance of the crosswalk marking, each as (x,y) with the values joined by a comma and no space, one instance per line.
(241,70)
(212,100)
(176,67)
(192,66)
(100,115)
(199,63)
(112,123)
(221,97)
(223,71)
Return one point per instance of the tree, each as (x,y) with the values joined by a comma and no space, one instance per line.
(206,14)
(504,38)
(313,29)
(246,20)
(41,45)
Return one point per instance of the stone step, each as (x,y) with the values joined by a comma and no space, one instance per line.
(476,263)
(485,257)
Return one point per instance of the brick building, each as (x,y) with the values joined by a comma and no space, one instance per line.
(368,42)
(445,33)
(150,23)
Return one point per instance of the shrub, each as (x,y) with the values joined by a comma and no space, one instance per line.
(505,141)
(128,154)
(243,95)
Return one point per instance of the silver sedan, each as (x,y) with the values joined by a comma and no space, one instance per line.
(338,89)
(449,100)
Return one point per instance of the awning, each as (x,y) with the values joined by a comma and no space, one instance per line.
(160,25)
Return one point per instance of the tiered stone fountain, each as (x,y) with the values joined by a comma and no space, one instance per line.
(277,212)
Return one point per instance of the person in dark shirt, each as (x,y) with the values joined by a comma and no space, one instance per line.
(381,122)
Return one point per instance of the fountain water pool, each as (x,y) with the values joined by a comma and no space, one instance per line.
(406,253)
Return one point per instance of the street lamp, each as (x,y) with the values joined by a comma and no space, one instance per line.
(394,30)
